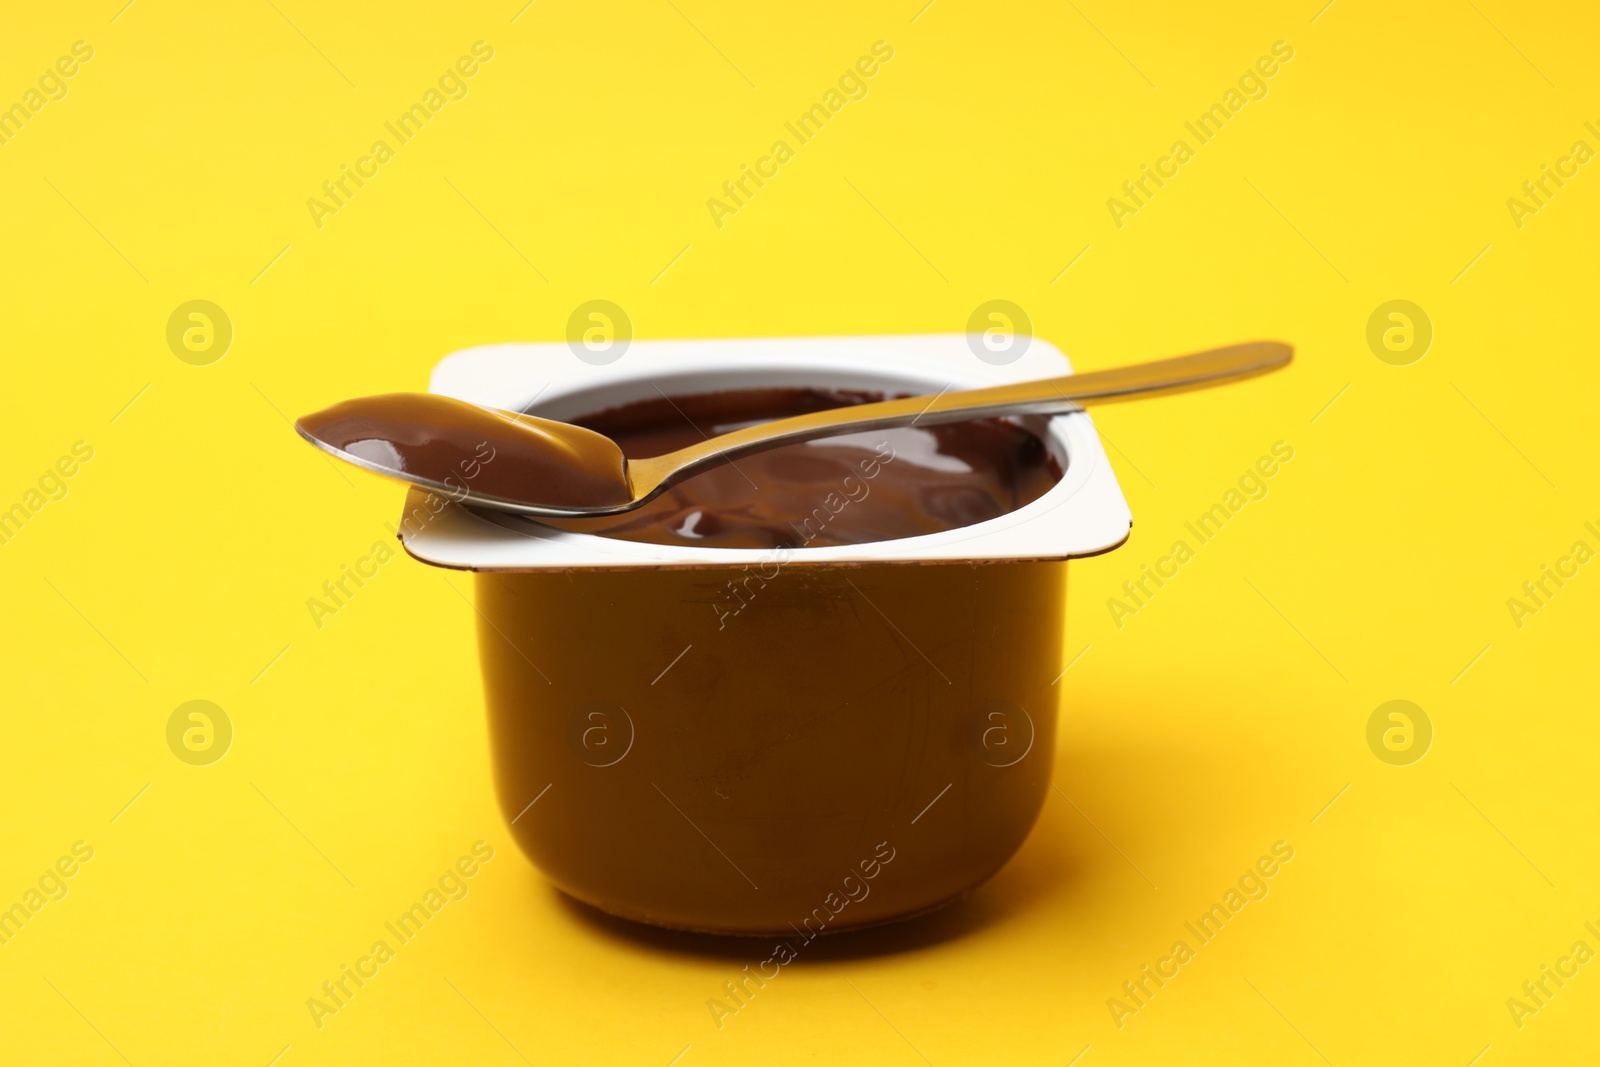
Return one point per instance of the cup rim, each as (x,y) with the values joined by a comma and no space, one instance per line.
(1083,514)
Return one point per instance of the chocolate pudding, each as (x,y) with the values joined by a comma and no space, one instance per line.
(850,489)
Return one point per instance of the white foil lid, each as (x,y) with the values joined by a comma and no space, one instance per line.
(1084,514)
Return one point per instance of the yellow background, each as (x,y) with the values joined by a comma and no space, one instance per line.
(1225,716)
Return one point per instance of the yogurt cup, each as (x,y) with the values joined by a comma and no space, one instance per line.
(787,741)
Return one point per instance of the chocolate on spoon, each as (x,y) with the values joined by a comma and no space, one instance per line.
(490,457)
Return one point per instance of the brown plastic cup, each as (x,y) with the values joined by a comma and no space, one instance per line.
(770,742)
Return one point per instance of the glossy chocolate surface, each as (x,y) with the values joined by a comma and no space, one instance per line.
(467,448)
(850,489)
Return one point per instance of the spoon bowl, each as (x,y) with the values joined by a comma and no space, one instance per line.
(487,456)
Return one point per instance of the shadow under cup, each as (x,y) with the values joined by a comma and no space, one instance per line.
(867,738)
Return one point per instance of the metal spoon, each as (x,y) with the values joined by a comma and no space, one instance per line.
(521,463)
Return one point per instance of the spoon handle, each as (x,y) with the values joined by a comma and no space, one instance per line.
(1179,374)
